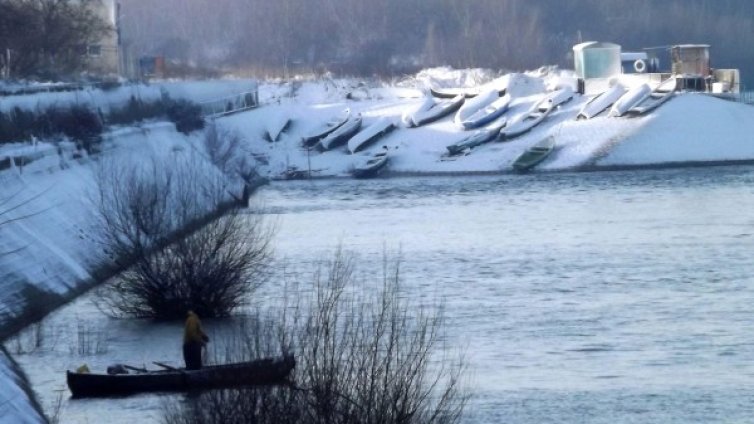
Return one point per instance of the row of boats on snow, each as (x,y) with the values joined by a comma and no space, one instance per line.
(484,113)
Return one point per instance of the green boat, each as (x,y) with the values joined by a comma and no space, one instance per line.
(534,155)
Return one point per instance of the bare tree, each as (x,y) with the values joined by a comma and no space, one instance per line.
(39,36)
(160,222)
(360,359)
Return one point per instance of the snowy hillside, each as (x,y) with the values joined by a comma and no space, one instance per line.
(690,127)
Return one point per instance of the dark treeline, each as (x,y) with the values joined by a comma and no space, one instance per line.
(45,38)
(394,36)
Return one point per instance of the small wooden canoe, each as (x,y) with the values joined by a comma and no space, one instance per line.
(260,372)
(534,155)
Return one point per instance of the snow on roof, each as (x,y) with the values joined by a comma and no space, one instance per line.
(595,45)
(632,56)
(691,46)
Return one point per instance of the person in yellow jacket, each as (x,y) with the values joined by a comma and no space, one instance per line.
(193,341)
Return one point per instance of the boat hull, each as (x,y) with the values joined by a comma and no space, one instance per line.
(488,114)
(342,134)
(260,372)
(314,138)
(370,134)
(534,155)
(439,110)
(372,168)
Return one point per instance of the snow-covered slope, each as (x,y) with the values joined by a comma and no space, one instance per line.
(691,127)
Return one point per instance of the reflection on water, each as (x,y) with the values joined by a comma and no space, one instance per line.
(602,297)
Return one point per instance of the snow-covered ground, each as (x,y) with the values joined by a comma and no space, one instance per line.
(689,128)
(198,91)
(49,248)
(53,251)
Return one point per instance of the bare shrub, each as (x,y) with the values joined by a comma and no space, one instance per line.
(30,340)
(361,358)
(90,340)
(161,222)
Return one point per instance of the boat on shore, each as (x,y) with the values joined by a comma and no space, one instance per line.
(632,98)
(331,125)
(266,371)
(371,134)
(657,98)
(601,102)
(438,110)
(372,166)
(477,138)
(407,119)
(472,106)
(534,154)
(556,98)
(531,119)
(342,134)
(488,113)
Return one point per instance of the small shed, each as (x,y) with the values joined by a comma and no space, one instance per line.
(597,60)
(691,60)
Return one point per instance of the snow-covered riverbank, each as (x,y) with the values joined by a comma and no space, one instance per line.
(49,249)
(691,127)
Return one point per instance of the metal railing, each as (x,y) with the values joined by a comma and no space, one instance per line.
(231,104)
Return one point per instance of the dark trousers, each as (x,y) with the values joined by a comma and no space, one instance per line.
(192,354)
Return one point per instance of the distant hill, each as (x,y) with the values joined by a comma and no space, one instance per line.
(395,36)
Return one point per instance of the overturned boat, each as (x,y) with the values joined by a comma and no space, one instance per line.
(371,134)
(407,119)
(657,98)
(556,98)
(342,134)
(488,113)
(477,138)
(331,125)
(472,106)
(633,97)
(260,372)
(438,110)
(531,119)
(601,102)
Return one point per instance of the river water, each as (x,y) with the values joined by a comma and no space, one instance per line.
(620,297)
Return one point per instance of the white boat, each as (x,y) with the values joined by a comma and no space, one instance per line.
(276,126)
(342,134)
(489,113)
(659,96)
(529,120)
(556,98)
(331,125)
(633,97)
(651,103)
(370,134)
(601,102)
(408,117)
(471,106)
(438,110)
